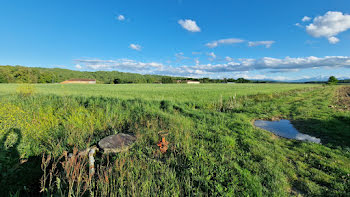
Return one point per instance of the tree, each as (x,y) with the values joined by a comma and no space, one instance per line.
(242,80)
(332,80)
(167,80)
(3,79)
(45,78)
(116,81)
(205,80)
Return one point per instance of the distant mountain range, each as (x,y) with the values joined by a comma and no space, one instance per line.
(312,79)
(321,79)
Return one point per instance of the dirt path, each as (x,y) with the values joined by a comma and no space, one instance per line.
(343,98)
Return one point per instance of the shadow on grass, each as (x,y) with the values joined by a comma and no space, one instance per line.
(334,132)
(17,177)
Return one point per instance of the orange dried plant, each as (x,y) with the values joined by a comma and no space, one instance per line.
(163,145)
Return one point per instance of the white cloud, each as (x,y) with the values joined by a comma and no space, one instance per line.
(270,65)
(212,55)
(285,70)
(120,17)
(333,40)
(305,19)
(78,66)
(216,43)
(189,25)
(329,25)
(125,65)
(298,25)
(267,44)
(196,60)
(180,56)
(135,47)
(229,59)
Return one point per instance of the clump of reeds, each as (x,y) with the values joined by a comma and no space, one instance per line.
(67,176)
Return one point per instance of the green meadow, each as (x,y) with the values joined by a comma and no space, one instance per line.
(214,149)
(196,93)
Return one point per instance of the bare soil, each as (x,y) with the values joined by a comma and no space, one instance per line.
(343,98)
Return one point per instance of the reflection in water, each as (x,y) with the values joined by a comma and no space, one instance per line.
(285,129)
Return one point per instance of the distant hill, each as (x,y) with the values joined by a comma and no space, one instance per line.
(21,74)
(344,81)
(319,79)
(325,81)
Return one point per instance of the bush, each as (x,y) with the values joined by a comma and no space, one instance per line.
(26,90)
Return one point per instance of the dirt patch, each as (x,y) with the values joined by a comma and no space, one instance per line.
(343,98)
(274,137)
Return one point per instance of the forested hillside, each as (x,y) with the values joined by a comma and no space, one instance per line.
(21,74)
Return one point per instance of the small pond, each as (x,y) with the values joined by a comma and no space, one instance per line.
(284,128)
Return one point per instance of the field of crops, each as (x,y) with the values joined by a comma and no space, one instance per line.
(214,149)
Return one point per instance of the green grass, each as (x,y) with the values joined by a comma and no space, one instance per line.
(214,148)
(196,93)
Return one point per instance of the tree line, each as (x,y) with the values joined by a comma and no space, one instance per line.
(332,80)
(21,74)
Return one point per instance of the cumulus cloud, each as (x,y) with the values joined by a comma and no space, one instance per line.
(216,43)
(135,47)
(269,64)
(267,44)
(120,17)
(306,18)
(228,58)
(212,55)
(78,66)
(333,40)
(126,65)
(189,25)
(329,25)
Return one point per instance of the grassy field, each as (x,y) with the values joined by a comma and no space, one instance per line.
(214,148)
(196,93)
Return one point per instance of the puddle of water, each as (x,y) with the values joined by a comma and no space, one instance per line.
(284,128)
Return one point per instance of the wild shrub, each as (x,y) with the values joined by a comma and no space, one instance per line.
(26,90)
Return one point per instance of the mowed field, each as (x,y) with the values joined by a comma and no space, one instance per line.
(214,149)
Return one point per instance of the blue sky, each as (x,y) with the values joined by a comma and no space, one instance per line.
(283,40)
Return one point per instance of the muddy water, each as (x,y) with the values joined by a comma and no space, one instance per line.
(284,128)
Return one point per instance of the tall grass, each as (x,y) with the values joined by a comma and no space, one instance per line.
(199,94)
(214,149)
